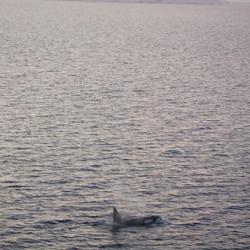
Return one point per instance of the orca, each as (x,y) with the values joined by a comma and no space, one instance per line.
(135,221)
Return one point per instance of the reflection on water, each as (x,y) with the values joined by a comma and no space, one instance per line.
(145,107)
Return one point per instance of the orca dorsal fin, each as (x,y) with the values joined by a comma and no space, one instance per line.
(116,216)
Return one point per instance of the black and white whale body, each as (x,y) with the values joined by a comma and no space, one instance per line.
(135,221)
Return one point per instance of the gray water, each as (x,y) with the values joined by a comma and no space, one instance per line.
(142,106)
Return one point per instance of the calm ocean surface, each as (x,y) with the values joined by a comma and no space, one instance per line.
(142,106)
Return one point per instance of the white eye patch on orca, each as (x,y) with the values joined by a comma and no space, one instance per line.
(159,220)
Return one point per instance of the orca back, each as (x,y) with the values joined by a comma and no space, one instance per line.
(142,221)
(135,221)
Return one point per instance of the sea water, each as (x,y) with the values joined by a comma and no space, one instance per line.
(141,106)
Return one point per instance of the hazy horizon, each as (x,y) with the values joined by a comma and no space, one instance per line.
(171,1)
